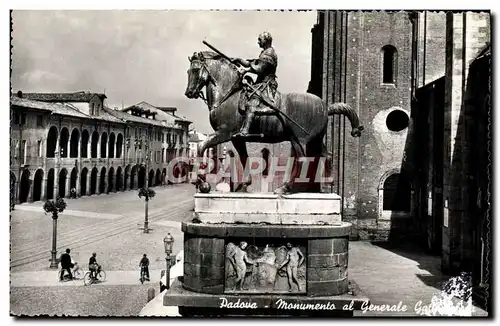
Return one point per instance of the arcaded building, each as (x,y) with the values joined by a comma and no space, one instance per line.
(421,84)
(72,141)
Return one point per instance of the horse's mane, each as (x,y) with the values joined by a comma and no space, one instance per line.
(212,56)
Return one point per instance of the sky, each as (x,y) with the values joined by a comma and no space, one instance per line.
(135,56)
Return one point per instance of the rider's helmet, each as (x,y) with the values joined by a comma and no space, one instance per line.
(68,251)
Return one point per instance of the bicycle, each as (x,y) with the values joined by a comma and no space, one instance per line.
(100,277)
(76,271)
(143,277)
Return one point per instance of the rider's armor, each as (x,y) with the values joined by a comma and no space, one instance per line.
(266,84)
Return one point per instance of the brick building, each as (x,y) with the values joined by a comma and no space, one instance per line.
(421,84)
(363,59)
(64,141)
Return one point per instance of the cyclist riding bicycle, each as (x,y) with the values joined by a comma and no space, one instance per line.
(144,264)
(94,267)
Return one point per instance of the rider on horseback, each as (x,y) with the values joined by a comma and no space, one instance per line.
(265,68)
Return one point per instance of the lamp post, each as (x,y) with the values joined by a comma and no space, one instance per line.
(168,241)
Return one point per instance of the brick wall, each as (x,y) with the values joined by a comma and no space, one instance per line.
(466,35)
(352,73)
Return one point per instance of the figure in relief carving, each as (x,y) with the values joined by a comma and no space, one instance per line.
(239,260)
(292,262)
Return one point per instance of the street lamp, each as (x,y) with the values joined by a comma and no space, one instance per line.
(168,241)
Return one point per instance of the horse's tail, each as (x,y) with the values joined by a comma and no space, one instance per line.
(345,109)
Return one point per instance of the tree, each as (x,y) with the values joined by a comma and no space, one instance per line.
(148,194)
(55,208)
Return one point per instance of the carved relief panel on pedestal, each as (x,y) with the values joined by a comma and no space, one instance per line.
(265,268)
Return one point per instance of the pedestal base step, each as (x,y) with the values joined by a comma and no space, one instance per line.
(299,208)
(200,304)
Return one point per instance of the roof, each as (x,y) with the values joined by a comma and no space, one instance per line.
(54,108)
(61,97)
(50,102)
(133,118)
(193,138)
(161,113)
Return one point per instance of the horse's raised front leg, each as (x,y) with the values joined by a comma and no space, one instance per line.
(212,140)
(241,148)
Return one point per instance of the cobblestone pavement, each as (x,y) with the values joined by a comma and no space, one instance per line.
(103,301)
(116,237)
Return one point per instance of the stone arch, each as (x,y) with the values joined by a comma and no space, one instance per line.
(37,185)
(164,176)
(126,179)
(395,195)
(50,184)
(94,144)
(389,64)
(119,179)
(85,144)
(83,181)
(102,181)
(63,175)
(104,144)
(51,142)
(132,177)
(12,187)
(73,179)
(111,145)
(63,142)
(111,175)
(151,177)
(119,145)
(24,186)
(141,178)
(74,140)
(158,177)
(93,181)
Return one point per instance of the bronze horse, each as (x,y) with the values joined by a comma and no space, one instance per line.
(224,88)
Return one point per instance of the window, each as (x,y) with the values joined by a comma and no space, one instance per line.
(39,121)
(389,64)
(39,148)
(92,108)
(397,120)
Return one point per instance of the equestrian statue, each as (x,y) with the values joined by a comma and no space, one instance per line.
(242,111)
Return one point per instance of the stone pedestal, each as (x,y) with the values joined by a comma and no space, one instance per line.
(278,252)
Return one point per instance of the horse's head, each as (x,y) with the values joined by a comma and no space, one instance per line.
(209,67)
(198,75)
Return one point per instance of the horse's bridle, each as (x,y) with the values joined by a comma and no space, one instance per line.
(209,78)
